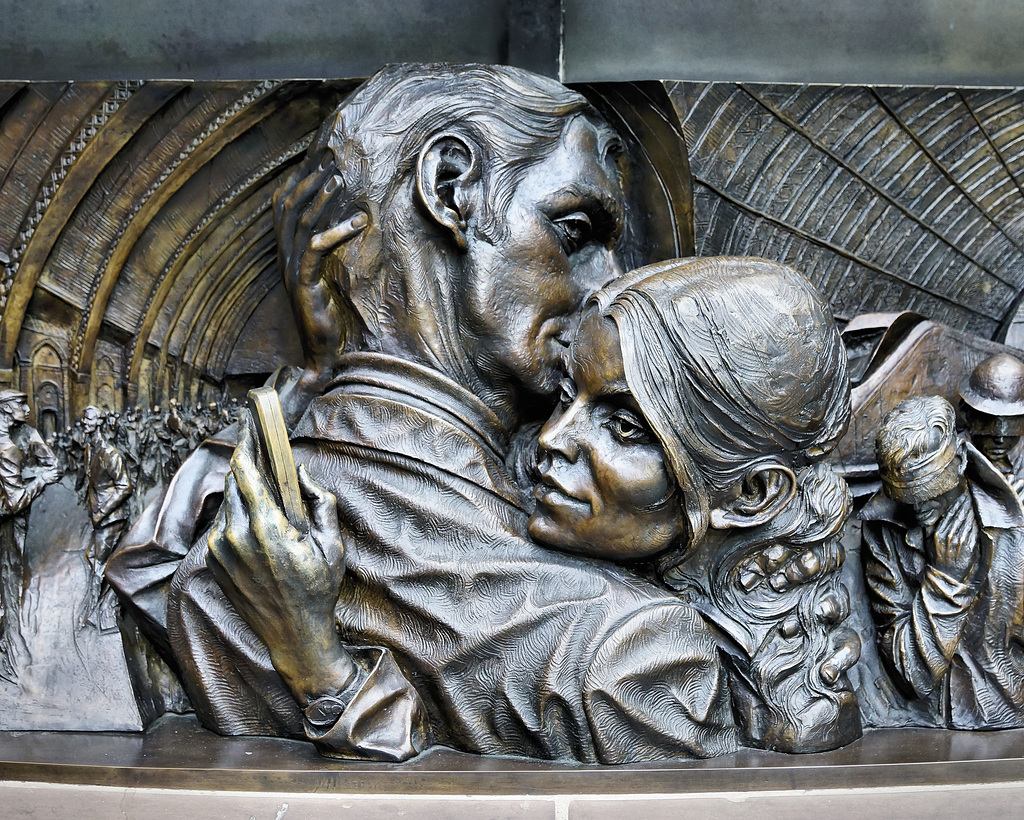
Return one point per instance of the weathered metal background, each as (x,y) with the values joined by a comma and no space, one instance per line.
(921,42)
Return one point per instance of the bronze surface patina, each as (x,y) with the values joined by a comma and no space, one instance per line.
(390,551)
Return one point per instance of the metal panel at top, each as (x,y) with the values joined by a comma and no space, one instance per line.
(241,39)
(926,42)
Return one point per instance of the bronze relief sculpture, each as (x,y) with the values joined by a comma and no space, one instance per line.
(486,640)
(657,571)
(944,551)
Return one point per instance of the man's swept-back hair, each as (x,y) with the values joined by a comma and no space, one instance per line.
(513,119)
(915,429)
(511,115)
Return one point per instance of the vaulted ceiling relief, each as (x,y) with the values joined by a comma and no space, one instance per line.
(887,198)
(140,264)
(136,231)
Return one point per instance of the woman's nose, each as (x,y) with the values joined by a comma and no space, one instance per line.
(558,436)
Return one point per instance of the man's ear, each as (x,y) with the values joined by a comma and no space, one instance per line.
(765,491)
(446,170)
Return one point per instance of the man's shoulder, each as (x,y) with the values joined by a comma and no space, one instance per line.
(882,510)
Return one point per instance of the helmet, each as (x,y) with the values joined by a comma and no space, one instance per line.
(996,387)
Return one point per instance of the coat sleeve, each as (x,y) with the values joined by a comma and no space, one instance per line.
(920,620)
(229,677)
(141,568)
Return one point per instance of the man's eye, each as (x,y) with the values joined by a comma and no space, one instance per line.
(566,392)
(575,229)
(628,429)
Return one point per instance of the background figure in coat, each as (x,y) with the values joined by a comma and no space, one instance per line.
(27,466)
(108,488)
(943,548)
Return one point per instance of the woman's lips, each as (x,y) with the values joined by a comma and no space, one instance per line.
(550,492)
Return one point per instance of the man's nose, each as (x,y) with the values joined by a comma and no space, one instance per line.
(599,268)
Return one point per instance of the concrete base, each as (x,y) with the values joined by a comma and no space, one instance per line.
(177,769)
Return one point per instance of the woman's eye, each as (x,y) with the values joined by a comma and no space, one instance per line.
(628,429)
(566,392)
(575,229)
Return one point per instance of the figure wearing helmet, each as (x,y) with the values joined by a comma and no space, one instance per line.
(992,406)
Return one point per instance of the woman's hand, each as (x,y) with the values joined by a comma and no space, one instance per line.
(283,582)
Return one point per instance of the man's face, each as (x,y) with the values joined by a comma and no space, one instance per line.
(524,289)
(17,409)
(929,511)
(995,436)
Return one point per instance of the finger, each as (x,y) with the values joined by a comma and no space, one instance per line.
(245,457)
(255,499)
(790,626)
(842,659)
(833,608)
(749,578)
(334,236)
(285,189)
(292,233)
(324,511)
(313,215)
(218,543)
(289,207)
(322,503)
(806,566)
(775,556)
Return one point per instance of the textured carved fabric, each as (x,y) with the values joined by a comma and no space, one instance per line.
(959,646)
(109,484)
(515,649)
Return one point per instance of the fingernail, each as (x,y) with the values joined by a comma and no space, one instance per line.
(829,673)
(790,627)
(779,582)
(359,220)
(810,563)
(748,579)
(332,184)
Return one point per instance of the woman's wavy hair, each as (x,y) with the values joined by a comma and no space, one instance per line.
(736,363)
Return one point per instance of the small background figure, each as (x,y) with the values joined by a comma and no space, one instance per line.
(992,405)
(108,489)
(27,465)
(943,548)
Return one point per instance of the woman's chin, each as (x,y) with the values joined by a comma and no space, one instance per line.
(546,530)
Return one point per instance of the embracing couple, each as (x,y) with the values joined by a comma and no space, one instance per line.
(651,575)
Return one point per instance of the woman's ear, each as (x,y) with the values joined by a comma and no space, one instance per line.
(445,172)
(765,491)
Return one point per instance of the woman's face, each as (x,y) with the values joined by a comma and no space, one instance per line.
(604,488)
